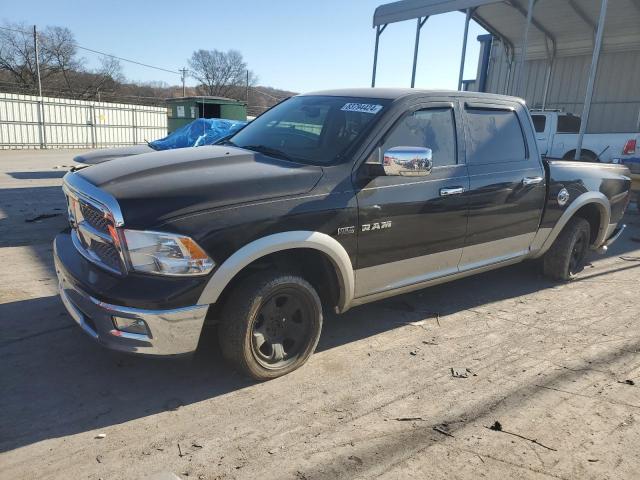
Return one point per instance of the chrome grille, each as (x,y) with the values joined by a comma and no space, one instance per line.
(92,229)
(95,217)
(107,253)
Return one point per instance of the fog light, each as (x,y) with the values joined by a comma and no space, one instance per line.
(130,325)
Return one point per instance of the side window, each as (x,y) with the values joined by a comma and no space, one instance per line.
(539,122)
(495,136)
(568,124)
(433,128)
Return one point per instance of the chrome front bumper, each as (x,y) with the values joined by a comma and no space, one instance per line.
(170,332)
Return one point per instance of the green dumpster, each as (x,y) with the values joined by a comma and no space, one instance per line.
(184,110)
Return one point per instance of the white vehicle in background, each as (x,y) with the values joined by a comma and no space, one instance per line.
(557,136)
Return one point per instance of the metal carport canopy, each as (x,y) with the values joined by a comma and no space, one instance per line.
(570,23)
(531,29)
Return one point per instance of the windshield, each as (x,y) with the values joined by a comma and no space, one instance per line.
(310,129)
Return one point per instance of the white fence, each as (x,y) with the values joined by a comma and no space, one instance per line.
(30,122)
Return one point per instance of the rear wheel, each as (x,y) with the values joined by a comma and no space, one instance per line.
(270,325)
(585,156)
(567,256)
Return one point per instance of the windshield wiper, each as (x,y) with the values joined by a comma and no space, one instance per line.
(226,141)
(273,152)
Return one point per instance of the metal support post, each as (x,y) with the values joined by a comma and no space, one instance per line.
(464,47)
(419,24)
(94,132)
(525,45)
(379,30)
(592,79)
(134,126)
(547,82)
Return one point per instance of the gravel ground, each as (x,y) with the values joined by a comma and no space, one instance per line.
(557,365)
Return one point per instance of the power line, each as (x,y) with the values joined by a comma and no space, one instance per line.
(127,60)
(101,53)
(15,30)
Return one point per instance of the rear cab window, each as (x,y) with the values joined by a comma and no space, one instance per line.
(494,136)
(568,124)
(539,123)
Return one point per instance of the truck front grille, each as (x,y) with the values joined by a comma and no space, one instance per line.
(107,254)
(95,217)
(92,231)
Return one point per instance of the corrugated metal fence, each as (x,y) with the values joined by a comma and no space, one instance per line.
(29,122)
(616,98)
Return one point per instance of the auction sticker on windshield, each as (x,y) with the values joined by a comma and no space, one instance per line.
(361,107)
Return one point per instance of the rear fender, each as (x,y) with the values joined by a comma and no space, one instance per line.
(546,236)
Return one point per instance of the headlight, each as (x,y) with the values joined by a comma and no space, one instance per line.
(166,254)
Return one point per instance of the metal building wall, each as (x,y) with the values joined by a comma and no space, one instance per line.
(28,122)
(616,100)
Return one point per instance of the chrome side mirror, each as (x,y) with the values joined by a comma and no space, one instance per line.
(407,161)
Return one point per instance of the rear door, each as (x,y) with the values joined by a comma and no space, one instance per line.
(507,183)
(412,229)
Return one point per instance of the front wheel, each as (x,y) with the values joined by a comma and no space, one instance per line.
(270,325)
(567,256)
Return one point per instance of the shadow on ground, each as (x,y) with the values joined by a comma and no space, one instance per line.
(57,382)
(37,175)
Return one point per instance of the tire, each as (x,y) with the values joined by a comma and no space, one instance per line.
(585,156)
(566,257)
(271,325)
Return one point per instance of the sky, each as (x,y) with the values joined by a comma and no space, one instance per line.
(300,45)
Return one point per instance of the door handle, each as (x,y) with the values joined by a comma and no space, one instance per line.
(445,192)
(531,181)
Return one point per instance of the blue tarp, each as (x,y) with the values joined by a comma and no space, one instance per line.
(202,131)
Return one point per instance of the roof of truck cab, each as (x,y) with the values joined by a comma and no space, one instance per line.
(396,93)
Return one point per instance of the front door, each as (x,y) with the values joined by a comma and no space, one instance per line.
(412,229)
(507,184)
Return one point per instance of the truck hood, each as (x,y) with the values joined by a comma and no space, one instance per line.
(98,156)
(163,185)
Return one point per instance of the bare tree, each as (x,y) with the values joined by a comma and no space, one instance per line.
(107,77)
(61,69)
(17,54)
(220,73)
(58,54)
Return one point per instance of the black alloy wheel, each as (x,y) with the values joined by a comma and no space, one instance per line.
(270,324)
(578,253)
(282,328)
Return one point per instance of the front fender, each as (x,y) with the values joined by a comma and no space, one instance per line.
(278,242)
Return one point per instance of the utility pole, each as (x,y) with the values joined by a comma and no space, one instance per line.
(184,76)
(37,53)
(247,93)
(43,133)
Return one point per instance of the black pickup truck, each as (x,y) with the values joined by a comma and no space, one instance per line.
(327,201)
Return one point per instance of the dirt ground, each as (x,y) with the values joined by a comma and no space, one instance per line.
(557,365)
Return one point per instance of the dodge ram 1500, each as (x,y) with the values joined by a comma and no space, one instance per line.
(327,201)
